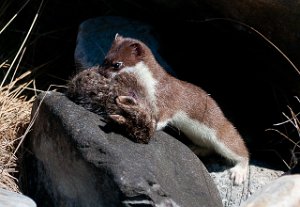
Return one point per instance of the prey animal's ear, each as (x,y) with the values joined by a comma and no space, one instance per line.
(118,37)
(137,49)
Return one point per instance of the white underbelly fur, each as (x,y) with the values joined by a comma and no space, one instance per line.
(200,134)
(197,132)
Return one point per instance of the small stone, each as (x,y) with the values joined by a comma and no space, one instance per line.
(284,191)
(12,199)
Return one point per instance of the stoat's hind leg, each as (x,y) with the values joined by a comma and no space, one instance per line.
(232,146)
(239,172)
(136,120)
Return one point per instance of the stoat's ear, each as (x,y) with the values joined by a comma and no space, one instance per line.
(118,37)
(137,49)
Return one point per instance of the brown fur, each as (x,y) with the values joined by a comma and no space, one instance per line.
(173,95)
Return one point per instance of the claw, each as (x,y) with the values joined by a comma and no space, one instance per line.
(126,100)
(118,118)
(238,174)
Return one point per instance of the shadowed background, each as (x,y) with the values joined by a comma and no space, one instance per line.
(252,82)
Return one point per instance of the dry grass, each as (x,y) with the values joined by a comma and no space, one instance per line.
(15,107)
(14,117)
(293,120)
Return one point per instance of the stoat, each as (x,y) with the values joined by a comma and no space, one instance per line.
(178,103)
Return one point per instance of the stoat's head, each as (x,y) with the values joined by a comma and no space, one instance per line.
(124,53)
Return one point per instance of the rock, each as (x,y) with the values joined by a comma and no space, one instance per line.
(12,199)
(260,174)
(72,158)
(284,191)
(95,37)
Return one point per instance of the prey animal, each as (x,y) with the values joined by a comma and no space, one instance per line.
(108,97)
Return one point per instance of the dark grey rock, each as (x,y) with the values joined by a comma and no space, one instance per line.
(72,158)
(96,35)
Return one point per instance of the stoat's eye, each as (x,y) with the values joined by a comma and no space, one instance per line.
(117,65)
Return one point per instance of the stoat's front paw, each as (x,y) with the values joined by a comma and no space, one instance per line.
(239,173)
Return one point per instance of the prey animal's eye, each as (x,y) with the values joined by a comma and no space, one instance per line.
(117,65)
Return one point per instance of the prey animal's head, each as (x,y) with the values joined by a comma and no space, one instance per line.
(124,53)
